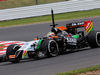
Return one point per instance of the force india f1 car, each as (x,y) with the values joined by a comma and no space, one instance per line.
(61,39)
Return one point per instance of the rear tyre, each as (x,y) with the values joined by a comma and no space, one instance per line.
(50,48)
(93,39)
(11,51)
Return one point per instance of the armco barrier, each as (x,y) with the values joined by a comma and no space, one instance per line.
(44,9)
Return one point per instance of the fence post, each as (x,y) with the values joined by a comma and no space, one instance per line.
(36,2)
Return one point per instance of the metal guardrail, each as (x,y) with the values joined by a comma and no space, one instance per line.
(45,9)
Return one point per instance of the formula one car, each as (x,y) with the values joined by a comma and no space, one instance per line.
(59,40)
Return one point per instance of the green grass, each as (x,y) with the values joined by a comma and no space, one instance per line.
(58,17)
(1,46)
(21,3)
(84,70)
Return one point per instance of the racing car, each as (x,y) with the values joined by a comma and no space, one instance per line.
(59,39)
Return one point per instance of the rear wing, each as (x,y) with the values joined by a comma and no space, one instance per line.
(88,25)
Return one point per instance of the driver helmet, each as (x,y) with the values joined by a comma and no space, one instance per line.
(50,34)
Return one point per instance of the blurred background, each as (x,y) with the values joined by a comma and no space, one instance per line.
(4,4)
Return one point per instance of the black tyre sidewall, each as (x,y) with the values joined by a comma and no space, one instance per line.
(10,51)
(57,50)
(46,47)
(92,39)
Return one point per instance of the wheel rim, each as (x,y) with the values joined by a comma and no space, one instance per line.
(98,38)
(53,48)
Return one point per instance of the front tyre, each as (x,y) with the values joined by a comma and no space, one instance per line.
(50,47)
(11,49)
(93,39)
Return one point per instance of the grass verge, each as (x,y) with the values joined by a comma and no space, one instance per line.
(74,72)
(1,46)
(58,17)
(20,3)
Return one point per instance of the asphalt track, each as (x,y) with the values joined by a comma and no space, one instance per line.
(47,66)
